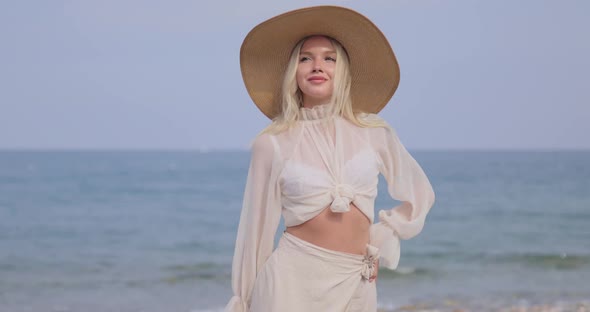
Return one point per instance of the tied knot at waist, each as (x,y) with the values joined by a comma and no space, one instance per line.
(369,262)
(343,195)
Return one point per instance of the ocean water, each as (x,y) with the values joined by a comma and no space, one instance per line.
(155,231)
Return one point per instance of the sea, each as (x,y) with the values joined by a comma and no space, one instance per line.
(154,231)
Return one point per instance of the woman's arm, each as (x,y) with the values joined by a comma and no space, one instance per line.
(406,182)
(259,219)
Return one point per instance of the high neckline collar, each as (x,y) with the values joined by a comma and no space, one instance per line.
(317,112)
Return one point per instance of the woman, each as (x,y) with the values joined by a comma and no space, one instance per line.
(321,74)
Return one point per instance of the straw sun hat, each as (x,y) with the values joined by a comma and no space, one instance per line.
(266,50)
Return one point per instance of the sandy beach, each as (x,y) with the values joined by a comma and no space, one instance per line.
(454,306)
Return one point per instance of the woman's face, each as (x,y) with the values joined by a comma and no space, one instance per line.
(315,70)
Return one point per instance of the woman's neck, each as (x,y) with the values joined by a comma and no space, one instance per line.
(311,102)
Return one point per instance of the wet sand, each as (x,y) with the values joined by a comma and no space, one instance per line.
(455,306)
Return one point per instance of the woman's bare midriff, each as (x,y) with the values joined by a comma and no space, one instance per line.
(346,232)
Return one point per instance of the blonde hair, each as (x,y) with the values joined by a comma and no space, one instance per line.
(292,98)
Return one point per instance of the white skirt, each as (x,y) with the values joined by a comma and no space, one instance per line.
(300,276)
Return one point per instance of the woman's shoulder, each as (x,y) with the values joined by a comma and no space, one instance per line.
(263,143)
(269,141)
(375,123)
(370,117)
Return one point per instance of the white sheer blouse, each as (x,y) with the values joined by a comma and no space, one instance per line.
(324,161)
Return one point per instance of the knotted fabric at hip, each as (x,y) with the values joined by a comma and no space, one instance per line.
(343,195)
(369,262)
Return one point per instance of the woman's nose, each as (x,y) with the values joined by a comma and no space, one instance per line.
(317,66)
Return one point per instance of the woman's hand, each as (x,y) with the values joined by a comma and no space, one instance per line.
(376,271)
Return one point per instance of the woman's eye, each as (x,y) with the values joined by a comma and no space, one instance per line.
(331,59)
(303,59)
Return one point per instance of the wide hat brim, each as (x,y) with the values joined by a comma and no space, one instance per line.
(266,50)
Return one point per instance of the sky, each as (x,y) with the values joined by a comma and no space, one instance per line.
(131,74)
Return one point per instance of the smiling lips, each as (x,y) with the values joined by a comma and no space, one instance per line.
(316,79)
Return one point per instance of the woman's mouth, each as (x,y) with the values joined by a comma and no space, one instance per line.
(316,79)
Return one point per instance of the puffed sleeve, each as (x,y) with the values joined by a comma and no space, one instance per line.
(259,220)
(407,183)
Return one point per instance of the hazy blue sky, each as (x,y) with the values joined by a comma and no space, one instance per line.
(165,74)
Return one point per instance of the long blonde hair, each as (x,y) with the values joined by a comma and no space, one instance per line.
(292,98)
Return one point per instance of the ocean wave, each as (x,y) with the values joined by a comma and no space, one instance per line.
(198,271)
(406,272)
(558,261)
(563,261)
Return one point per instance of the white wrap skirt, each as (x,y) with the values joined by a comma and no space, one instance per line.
(300,276)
